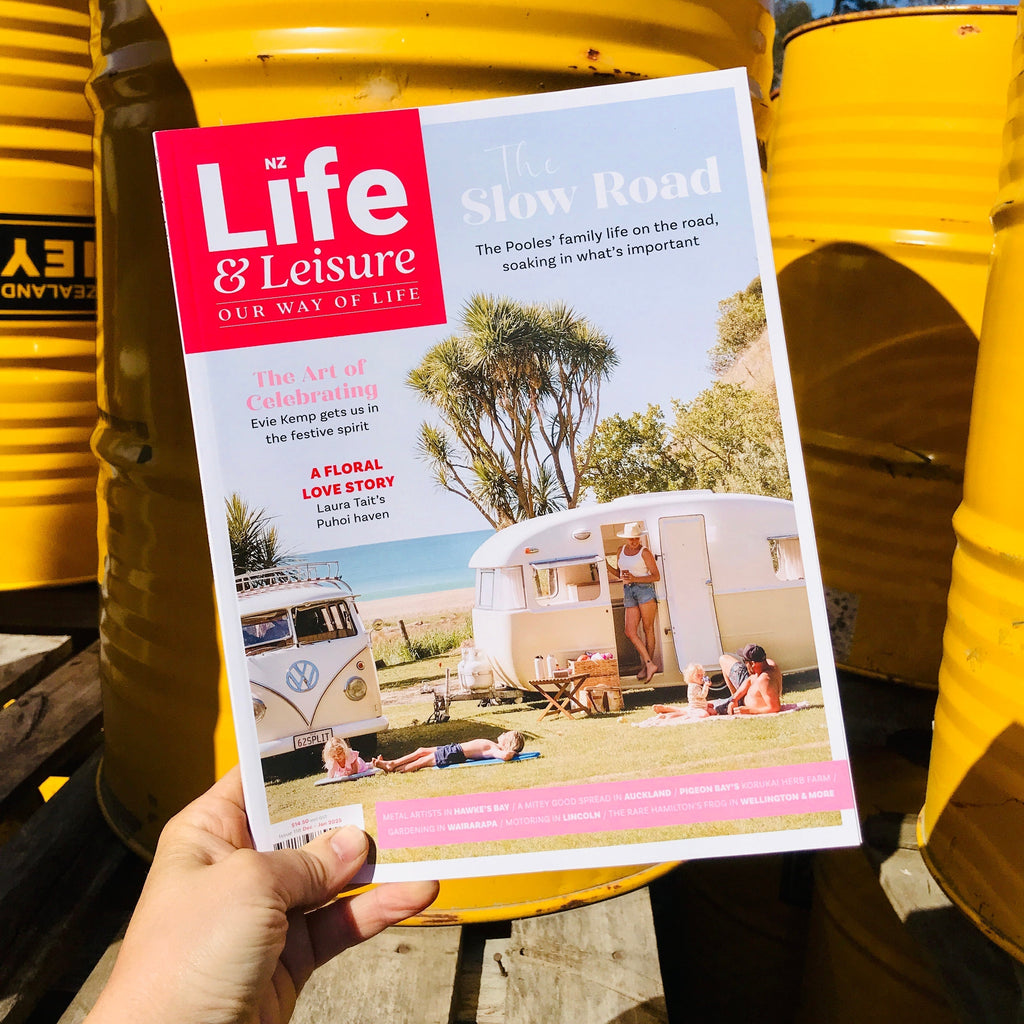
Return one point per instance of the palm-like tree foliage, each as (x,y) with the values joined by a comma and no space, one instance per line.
(255,542)
(518,393)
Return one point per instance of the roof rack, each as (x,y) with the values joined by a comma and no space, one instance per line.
(328,573)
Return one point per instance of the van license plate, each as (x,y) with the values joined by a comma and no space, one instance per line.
(312,739)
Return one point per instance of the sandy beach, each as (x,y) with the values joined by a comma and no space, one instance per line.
(416,606)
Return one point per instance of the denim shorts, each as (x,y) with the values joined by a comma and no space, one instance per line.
(636,594)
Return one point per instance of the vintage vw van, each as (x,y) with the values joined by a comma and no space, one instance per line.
(311,669)
(731,574)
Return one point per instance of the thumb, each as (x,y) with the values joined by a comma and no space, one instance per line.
(313,875)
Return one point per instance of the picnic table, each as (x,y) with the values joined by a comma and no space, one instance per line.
(564,699)
(67,886)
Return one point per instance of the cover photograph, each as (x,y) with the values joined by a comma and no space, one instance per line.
(512,547)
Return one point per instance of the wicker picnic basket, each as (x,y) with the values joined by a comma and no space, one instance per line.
(596,667)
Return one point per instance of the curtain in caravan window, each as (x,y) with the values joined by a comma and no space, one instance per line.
(500,589)
(787,558)
(509,591)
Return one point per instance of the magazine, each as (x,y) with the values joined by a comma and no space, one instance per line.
(510,533)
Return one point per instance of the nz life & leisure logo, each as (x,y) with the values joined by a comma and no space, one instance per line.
(300,229)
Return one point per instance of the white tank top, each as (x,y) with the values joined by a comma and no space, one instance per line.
(633,563)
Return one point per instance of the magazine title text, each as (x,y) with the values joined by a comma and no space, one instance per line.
(374,201)
(299,228)
(511,199)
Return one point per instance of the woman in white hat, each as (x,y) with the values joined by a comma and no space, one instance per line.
(636,567)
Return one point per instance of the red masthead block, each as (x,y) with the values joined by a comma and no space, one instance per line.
(291,230)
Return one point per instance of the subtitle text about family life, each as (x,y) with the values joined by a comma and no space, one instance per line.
(595,245)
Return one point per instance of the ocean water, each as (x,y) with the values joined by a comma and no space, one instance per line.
(422,565)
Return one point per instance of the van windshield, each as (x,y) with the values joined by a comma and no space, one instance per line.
(324,622)
(266,632)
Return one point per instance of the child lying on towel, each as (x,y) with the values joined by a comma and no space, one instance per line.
(341,760)
(509,744)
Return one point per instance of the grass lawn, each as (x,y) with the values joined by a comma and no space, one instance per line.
(600,748)
(397,677)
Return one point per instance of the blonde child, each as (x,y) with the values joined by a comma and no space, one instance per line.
(697,684)
(697,706)
(341,760)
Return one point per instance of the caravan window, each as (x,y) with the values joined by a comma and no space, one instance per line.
(500,589)
(324,622)
(545,585)
(265,632)
(573,581)
(787,559)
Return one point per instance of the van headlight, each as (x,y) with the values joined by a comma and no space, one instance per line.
(259,709)
(355,688)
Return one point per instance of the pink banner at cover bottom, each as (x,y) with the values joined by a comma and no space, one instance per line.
(614,806)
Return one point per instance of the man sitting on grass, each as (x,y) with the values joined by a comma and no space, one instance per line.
(509,744)
(755,683)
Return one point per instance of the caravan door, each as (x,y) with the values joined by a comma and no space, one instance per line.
(689,591)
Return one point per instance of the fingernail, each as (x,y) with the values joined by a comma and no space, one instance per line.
(349,843)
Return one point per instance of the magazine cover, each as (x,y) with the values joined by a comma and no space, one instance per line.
(511,539)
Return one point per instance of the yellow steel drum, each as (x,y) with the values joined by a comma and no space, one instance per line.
(47,297)
(861,965)
(749,908)
(883,165)
(475,900)
(185,63)
(972,825)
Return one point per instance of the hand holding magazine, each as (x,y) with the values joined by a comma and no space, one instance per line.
(481,484)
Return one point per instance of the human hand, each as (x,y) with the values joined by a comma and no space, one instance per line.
(220,936)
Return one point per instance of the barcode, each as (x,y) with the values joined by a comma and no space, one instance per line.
(298,841)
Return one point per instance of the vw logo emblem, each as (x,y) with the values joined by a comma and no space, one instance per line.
(302,676)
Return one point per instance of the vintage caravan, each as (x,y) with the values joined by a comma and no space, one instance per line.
(311,670)
(731,574)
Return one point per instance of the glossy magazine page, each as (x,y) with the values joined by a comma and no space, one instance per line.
(510,533)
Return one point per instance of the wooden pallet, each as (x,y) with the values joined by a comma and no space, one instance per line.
(67,886)
(66,882)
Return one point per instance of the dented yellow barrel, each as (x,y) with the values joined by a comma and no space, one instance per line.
(972,825)
(861,964)
(47,297)
(883,167)
(185,63)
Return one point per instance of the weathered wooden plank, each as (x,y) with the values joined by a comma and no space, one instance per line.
(86,997)
(481,985)
(402,976)
(58,877)
(26,658)
(595,963)
(493,991)
(979,978)
(58,718)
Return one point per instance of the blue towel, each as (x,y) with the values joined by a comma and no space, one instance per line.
(493,760)
(346,778)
